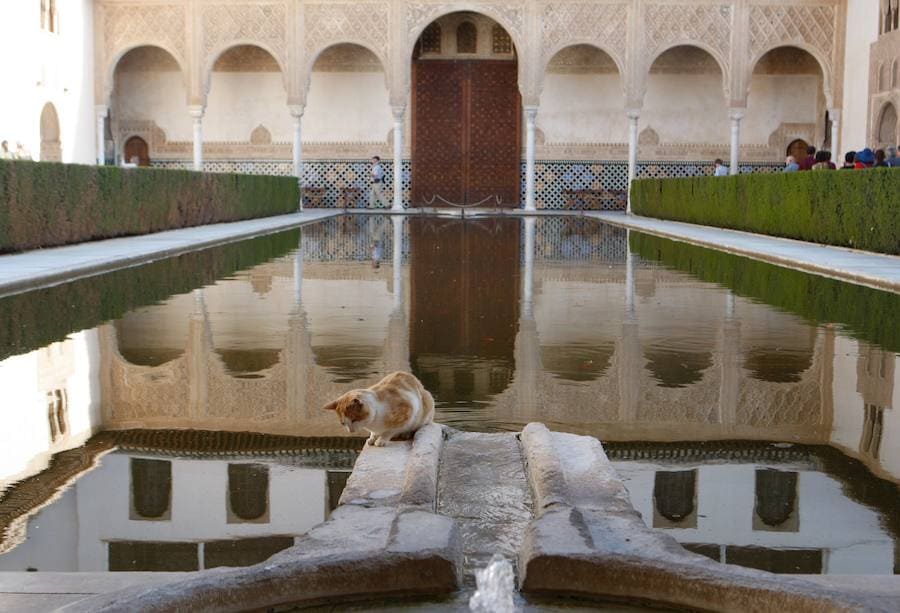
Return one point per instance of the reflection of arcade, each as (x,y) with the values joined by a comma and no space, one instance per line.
(463,284)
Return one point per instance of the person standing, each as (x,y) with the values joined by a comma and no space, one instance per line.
(721,169)
(810,160)
(5,153)
(892,159)
(790,164)
(376,194)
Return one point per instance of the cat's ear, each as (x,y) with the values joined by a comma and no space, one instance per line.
(331,406)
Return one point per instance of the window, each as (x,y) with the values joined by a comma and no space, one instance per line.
(151,489)
(466,38)
(57,414)
(248,493)
(431,39)
(500,41)
(776,501)
(873,426)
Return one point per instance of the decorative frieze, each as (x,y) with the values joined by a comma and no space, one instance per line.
(361,22)
(263,24)
(603,25)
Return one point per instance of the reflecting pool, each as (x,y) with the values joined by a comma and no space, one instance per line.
(751,409)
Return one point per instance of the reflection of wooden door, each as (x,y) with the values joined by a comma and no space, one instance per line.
(136,147)
(466,132)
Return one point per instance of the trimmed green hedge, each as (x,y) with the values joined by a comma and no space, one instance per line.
(43,204)
(865,313)
(35,319)
(859,209)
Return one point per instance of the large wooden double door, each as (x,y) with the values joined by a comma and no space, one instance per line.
(465,132)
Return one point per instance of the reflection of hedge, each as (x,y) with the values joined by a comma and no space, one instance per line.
(852,209)
(44,203)
(34,319)
(867,313)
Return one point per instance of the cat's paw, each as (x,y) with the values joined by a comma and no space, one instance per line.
(380,442)
(371,440)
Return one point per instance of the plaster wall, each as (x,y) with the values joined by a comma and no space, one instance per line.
(347,107)
(238,102)
(155,95)
(41,67)
(777,99)
(862,31)
(583,108)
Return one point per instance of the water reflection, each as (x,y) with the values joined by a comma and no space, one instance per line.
(577,324)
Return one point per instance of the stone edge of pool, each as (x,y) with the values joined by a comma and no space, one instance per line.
(877,270)
(585,540)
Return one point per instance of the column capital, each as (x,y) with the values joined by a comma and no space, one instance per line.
(101,110)
(633,114)
(531,113)
(737,113)
(398,111)
(296,110)
(834,114)
(196,111)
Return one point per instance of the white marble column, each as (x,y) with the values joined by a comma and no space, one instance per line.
(633,117)
(835,115)
(197,121)
(297,116)
(398,112)
(736,115)
(530,128)
(101,112)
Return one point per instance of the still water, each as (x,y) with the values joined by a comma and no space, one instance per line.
(751,410)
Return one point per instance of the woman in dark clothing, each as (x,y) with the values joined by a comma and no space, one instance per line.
(880,159)
(849,161)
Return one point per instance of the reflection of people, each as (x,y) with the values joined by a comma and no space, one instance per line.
(376,254)
(376,194)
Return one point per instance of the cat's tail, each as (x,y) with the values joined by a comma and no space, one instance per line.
(428,405)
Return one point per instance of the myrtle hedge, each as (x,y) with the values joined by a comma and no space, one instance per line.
(43,204)
(865,313)
(859,209)
(31,320)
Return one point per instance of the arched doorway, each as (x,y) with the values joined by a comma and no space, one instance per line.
(137,151)
(887,126)
(466,114)
(51,148)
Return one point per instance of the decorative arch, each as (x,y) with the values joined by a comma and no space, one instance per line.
(721,62)
(886,132)
(824,67)
(110,72)
(314,57)
(51,148)
(232,44)
(576,42)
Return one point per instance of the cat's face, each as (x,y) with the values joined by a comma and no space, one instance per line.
(351,410)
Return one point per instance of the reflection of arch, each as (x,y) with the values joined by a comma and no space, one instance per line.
(812,51)
(233,47)
(887,125)
(151,488)
(248,492)
(51,148)
(674,493)
(677,368)
(139,345)
(576,362)
(776,496)
(136,147)
(797,148)
(248,363)
(779,365)
(114,63)
(466,38)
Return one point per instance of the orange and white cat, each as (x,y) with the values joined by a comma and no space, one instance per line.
(397,404)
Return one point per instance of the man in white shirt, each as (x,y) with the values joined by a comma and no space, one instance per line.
(721,169)
(376,194)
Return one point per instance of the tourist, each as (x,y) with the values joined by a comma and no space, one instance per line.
(864,159)
(376,194)
(810,159)
(831,164)
(5,153)
(880,159)
(893,160)
(721,169)
(849,161)
(376,254)
(22,153)
(790,164)
(822,162)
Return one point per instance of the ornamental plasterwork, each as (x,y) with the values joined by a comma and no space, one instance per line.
(129,25)
(603,24)
(510,16)
(264,24)
(668,24)
(810,26)
(327,24)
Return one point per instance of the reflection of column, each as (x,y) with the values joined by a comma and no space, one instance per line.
(398,157)
(527,349)
(530,118)
(634,116)
(198,357)
(197,120)
(736,115)
(298,270)
(397,261)
(101,112)
(297,113)
(729,352)
(397,350)
(835,115)
(629,276)
(629,351)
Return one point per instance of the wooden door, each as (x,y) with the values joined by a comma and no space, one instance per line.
(136,147)
(466,132)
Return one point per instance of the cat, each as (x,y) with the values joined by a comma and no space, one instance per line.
(397,404)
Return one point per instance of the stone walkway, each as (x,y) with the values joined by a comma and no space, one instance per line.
(41,267)
(862,267)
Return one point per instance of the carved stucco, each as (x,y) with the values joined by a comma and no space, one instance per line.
(602,25)
(364,23)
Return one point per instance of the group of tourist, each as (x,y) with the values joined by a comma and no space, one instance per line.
(853,160)
(21,153)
